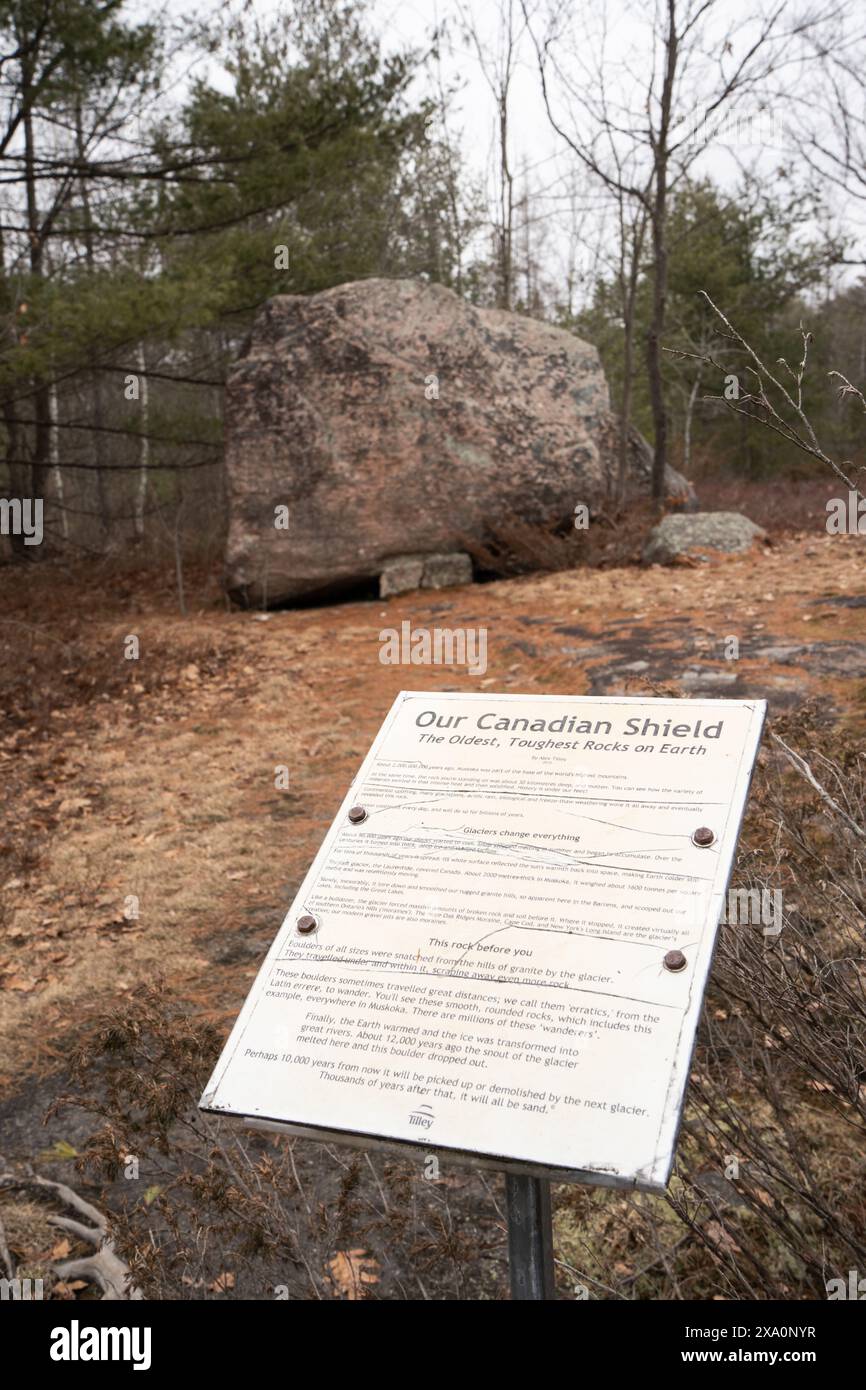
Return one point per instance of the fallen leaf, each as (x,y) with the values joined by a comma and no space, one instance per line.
(222,1283)
(59,1150)
(721,1239)
(351,1271)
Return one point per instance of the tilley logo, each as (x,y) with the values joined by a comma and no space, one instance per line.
(423,1117)
(76,1343)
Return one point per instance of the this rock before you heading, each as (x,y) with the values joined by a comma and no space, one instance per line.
(679,535)
(388,420)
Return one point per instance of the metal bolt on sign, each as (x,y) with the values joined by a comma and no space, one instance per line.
(307,924)
(675,960)
(703,837)
(357,814)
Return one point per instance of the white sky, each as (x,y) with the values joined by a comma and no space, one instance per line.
(764,143)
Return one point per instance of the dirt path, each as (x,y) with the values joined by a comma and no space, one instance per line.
(145,833)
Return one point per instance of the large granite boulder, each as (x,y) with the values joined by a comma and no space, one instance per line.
(389,418)
(677,536)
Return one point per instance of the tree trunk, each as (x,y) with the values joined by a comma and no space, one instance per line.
(144,445)
(95,373)
(41,404)
(629,297)
(654,368)
(687,424)
(659,215)
(506,261)
(54,452)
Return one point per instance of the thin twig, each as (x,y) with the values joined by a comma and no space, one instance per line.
(804,769)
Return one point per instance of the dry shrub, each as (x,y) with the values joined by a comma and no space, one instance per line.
(777,1108)
(614,537)
(223,1212)
(767,1196)
(782,505)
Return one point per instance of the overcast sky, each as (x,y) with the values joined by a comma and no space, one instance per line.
(761,140)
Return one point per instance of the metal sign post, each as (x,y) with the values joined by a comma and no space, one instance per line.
(530,1238)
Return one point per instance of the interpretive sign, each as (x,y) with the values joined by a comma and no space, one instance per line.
(502,945)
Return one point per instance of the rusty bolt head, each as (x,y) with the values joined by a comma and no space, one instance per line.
(703,837)
(357,814)
(675,960)
(306,924)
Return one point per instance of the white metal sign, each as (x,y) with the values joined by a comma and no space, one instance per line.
(502,945)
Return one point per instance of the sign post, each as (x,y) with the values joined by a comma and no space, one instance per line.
(500,951)
(530,1238)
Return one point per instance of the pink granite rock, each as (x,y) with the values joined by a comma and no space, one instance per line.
(392,418)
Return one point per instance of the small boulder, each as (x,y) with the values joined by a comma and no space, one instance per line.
(682,533)
(446,571)
(400,575)
(406,572)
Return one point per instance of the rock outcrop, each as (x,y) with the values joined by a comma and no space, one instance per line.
(388,419)
(676,536)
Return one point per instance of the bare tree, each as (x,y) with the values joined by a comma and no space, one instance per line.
(631,122)
(828,119)
(144,445)
(774,398)
(497,59)
(631,219)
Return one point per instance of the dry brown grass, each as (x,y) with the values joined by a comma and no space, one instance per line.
(784,507)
